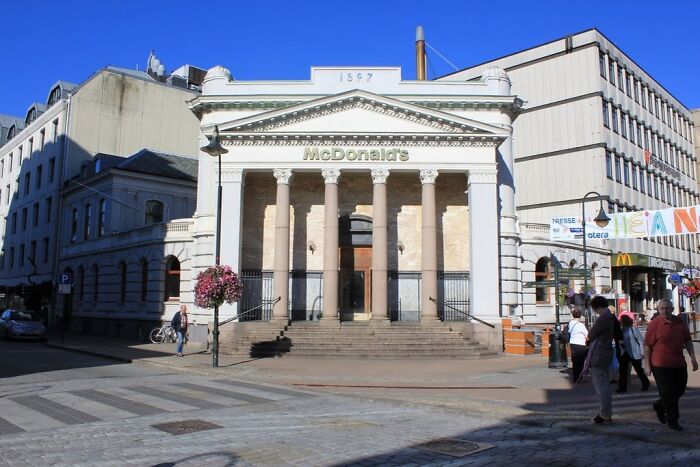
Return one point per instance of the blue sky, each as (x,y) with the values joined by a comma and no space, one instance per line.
(46,41)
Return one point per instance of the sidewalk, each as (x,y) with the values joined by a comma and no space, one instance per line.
(516,389)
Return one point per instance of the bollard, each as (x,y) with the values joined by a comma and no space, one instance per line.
(557,350)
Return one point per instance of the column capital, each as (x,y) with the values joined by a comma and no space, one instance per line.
(379,175)
(428,176)
(330,175)
(231,175)
(482,176)
(283,176)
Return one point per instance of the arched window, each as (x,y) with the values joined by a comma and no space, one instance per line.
(55,95)
(154,212)
(31,116)
(542,274)
(96,282)
(74,225)
(81,278)
(144,279)
(87,225)
(11,133)
(172,278)
(122,279)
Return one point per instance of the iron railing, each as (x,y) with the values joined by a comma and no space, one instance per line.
(467,315)
(240,316)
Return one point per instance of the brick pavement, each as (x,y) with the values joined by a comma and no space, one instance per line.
(359,413)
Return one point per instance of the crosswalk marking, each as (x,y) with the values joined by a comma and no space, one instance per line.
(99,410)
(164,404)
(7,428)
(27,419)
(137,408)
(257,388)
(225,393)
(65,414)
(176,397)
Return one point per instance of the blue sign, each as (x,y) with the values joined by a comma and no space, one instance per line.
(65,278)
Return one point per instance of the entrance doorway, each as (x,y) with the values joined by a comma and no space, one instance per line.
(355,291)
(355,283)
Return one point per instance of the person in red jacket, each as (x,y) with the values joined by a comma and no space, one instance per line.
(664,341)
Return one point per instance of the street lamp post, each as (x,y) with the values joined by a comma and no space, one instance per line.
(215,149)
(601,220)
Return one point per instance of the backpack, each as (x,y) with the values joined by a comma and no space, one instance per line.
(565,335)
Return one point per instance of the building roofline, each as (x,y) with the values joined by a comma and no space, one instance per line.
(651,77)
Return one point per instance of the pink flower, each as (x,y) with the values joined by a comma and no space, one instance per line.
(217,285)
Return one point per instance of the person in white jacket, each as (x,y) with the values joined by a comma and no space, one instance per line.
(577,342)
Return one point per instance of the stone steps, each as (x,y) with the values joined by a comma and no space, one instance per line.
(358,340)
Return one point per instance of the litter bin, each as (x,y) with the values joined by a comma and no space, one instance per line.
(557,350)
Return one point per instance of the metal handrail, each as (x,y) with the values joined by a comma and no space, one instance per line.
(463,312)
(269,302)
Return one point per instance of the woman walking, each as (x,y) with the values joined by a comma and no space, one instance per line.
(631,352)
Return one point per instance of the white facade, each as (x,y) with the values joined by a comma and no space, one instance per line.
(360,144)
(578,124)
(115,111)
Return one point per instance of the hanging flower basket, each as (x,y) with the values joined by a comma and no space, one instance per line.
(566,295)
(690,289)
(217,285)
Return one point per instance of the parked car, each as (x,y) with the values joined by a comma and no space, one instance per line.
(21,324)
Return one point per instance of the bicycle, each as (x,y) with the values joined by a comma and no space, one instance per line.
(164,333)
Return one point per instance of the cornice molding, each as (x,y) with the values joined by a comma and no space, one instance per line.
(446,140)
(482,177)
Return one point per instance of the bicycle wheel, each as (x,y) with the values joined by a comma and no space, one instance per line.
(170,334)
(157,335)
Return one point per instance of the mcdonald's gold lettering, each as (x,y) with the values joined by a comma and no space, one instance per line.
(310,154)
(366,155)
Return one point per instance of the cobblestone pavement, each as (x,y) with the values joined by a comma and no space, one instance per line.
(105,416)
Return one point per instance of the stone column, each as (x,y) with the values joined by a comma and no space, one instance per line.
(429,247)
(281,263)
(484,297)
(232,183)
(330,247)
(380,312)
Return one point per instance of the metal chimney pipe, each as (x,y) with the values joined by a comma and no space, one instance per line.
(420,54)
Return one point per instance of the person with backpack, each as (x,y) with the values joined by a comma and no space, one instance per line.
(577,342)
(179,324)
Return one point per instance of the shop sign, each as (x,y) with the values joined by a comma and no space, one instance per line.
(636,259)
(368,155)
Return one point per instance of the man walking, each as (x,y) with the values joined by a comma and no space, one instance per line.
(179,324)
(663,356)
(600,355)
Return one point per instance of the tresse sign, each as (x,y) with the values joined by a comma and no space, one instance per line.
(370,155)
(638,224)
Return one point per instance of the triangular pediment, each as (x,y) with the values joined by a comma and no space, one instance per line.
(360,112)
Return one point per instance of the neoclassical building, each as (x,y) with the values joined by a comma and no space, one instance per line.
(356,195)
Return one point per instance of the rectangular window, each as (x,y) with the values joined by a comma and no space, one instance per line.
(21,255)
(632,125)
(614,119)
(629,85)
(2,260)
(39,176)
(646,139)
(101,218)
(658,106)
(55,131)
(644,96)
(623,125)
(606,117)
(2,168)
(639,134)
(32,251)
(45,245)
(27,181)
(35,215)
(601,61)
(611,70)
(14,222)
(52,168)
(7,195)
(634,177)
(42,139)
(626,172)
(650,187)
(656,187)
(662,193)
(88,220)
(620,78)
(49,203)
(24,219)
(641,180)
(74,225)
(608,165)
(12,257)
(618,169)
(636,91)
(31,147)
